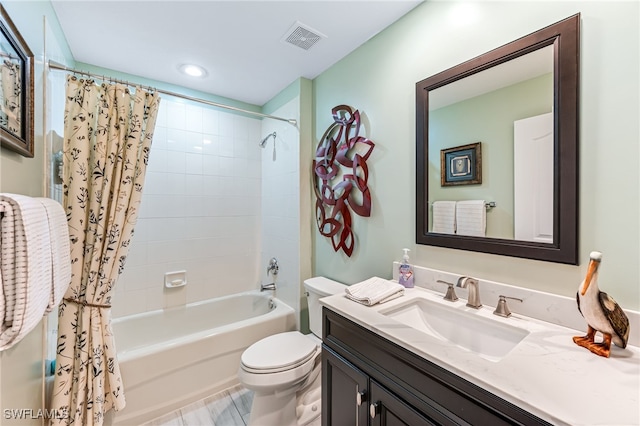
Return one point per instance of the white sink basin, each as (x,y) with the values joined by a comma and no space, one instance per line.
(489,339)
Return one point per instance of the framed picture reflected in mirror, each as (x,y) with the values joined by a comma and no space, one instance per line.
(16,89)
(461,165)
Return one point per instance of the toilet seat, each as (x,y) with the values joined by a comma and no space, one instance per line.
(278,353)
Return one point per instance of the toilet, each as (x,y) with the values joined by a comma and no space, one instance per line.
(283,370)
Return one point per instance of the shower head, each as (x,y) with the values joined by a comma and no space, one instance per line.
(263,142)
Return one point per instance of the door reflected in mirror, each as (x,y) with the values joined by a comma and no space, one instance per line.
(520,102)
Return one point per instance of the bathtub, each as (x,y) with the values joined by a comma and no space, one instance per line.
(170,358)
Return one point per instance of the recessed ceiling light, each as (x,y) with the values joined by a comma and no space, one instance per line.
(193,70)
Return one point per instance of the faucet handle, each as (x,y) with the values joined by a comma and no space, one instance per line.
(451,293)
(273,267)
(502,309)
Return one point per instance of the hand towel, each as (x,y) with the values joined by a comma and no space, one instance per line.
(444,217)
(374,290)
(25,261)
(471,218)
(60,251)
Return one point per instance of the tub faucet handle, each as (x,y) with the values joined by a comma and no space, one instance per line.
(272,267)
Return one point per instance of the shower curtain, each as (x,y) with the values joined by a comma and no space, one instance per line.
(107,137)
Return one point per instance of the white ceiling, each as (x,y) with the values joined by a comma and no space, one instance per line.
(237,42)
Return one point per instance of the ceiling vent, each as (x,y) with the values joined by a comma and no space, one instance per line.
(302,36)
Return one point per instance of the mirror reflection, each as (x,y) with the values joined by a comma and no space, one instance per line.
(10,87)
(508,109)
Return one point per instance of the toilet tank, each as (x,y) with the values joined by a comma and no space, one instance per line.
(317,288)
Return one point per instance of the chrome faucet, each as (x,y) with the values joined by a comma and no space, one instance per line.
(473,301)
(272,267)
(270,286)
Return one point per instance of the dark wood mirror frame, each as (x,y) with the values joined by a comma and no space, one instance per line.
(21,142)
(564,37)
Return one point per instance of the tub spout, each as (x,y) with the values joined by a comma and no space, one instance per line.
(271,286)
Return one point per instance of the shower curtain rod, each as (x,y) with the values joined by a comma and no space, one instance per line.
(58,66)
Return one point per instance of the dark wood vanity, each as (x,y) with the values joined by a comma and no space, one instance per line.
(368,380)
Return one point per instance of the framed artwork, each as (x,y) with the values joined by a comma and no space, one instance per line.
(16,89)
(461,165)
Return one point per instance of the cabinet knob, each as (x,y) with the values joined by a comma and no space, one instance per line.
(373,410)
(360,397)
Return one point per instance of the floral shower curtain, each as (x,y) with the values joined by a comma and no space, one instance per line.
(107,137)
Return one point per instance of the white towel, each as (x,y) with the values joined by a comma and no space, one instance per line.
(25,261)
(60,251)
(374,290)
(444,217)
(471,218)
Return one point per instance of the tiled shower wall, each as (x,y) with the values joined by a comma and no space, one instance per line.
(281,204)
(201,210)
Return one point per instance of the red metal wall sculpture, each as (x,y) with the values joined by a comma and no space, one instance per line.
(341,176)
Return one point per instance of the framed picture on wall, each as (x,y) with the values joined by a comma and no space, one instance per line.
(16,89)
(461,165)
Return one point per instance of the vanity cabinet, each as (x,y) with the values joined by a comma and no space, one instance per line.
(368,380)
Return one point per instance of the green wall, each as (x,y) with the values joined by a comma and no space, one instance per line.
(379,79)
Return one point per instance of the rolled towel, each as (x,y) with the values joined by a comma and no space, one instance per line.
(374,290)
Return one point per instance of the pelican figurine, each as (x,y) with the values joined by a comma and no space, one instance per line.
(601,312)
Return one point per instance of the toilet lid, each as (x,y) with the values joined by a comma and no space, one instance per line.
(279,352)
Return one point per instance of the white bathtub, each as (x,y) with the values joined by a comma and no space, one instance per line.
(172,357)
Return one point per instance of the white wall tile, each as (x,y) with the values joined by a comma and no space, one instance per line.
(193,163)
(210,144)
(174,183)
(176,139)
(210,119)
(176,115)
(226,146)
(176,163)
(200,210)
(194,185)
(193,118)
(157,160)
(225,125)
(193,142)
(159,140)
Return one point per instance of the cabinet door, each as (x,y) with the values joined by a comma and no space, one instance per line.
(385,409)
(344,392)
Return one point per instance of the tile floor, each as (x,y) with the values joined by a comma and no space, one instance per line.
(230,407)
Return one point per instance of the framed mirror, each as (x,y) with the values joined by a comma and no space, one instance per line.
(16,89)
(519,103)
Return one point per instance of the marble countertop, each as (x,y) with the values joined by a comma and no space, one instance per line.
(545,374)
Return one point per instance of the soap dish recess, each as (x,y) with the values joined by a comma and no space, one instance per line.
(175,279)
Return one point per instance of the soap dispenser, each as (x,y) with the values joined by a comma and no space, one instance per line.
(405,276)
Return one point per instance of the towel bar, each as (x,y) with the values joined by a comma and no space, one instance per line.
(488,204)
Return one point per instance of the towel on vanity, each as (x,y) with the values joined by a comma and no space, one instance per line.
(471,218)
(374,290)
(444,217)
